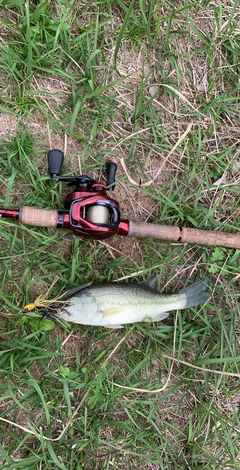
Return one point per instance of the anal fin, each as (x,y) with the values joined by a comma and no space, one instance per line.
(113,326)
(159,316)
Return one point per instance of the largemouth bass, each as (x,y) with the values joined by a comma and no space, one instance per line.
(112,305)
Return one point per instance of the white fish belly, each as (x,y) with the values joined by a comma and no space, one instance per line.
(140,313)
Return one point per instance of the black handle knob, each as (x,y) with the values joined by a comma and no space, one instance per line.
(111,168)
(55,161)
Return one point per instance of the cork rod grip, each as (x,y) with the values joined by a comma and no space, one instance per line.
(38,217)
(209,237)
(145,230)
(185,235)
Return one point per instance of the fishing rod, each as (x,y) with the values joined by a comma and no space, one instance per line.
(91,213)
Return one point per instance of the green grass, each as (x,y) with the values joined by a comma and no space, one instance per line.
(77,75)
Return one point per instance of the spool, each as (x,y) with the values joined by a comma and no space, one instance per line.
(97,214)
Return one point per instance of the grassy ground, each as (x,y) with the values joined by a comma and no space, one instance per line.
(155,86)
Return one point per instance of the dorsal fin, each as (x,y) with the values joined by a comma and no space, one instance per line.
(74,290)
(149,282)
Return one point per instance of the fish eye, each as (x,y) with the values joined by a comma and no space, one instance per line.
(28,308)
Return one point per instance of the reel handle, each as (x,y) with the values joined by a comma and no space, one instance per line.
(111,169)
(55,161)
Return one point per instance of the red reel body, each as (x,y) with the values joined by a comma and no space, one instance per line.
(92,213)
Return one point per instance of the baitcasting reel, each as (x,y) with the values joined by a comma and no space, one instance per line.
(90,211)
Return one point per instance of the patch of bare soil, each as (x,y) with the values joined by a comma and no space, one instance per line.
(8,124)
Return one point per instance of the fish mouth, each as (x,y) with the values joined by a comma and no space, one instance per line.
(50,314)
(46,312)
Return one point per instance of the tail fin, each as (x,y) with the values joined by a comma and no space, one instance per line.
(196,293)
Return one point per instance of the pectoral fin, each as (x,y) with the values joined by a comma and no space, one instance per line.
(110,311)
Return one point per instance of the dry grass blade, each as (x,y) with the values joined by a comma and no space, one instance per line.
(148,183)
